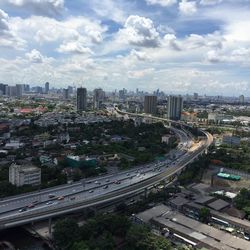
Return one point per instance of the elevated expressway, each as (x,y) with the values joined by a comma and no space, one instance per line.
(98,191)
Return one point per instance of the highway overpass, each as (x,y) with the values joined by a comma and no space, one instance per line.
(23,209)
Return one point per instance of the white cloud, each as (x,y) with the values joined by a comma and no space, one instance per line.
(213,56)
(109,9)
(164,3)
(195,41)
(34,56)
(38,7)
(140,73)
(8,38)
(139,31)
(74,47)
(210,2)
(171,42)
(187,8)
(139,55)
(45,29)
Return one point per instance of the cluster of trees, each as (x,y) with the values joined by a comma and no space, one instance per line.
(194,172)
(106,232)
(242,201)
(147,136)
(233,157)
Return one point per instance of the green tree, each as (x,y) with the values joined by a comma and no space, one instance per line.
(66,232)
(81,245)
(204,215)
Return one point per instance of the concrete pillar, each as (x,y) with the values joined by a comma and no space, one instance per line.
(50,226)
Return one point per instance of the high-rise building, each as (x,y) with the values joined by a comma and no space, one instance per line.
(98,98)
(65,94)
(3,88)
(70,88)
(196,96)
(175,105)
(11,91)
(150,104)
(81,99)
(241,99)
(19,90)
(46,90)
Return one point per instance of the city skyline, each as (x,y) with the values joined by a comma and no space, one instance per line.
(178,46)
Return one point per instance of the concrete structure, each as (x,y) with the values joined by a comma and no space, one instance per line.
(19,90)
(98,98)
(150,104)
(217,118)
(24,175)
(175,106)
(181,229)
(241,99)
(46,89)
(81,99)
(65,94)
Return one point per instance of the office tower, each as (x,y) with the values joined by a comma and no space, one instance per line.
(26,88)
(70,88)
(46,88)
(196,96)
(19,90)
(175,105)
(98,98)
(150,104)
(241,99)
(11,91)
(3,88)
(65,94)
(81,99)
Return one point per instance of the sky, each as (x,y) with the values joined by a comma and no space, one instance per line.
(178,46)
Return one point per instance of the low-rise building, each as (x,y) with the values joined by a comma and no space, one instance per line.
(20,175)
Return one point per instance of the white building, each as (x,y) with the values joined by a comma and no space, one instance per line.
(20,175)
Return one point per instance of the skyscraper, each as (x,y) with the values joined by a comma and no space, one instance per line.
(241,99)
(46,88)
(98,98)
(175,105)
(150,104)
(81,99)
(19,90)
(65,94)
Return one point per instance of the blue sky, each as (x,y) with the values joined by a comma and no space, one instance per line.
(179,46)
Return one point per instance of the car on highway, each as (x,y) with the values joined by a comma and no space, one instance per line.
(60,198)
(72,198)
(117,182)
(31,205)
(88,182)
(107,180)
(97,182)
(91,191)
(128,174)
(35,202)
(105,187)
(51,196)
(49,203)
(22,209)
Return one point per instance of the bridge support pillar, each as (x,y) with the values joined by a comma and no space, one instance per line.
(145,193)
(50,226)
